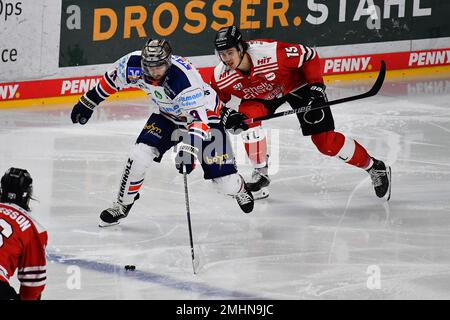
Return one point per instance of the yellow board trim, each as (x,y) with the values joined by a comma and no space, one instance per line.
(56,101)
(414,73)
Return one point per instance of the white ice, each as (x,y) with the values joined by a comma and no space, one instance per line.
(322,233)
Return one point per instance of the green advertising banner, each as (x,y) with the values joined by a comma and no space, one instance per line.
(101,31)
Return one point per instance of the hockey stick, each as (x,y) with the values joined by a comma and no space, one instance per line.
(195,262)
(373,91)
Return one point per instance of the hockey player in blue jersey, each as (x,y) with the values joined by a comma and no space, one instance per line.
(189,118)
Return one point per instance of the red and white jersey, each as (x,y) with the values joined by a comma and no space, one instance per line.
(278,68)
(22,247)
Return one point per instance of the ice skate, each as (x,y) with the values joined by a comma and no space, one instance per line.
(381,178)
(111,216)
(245,200)
(259,184)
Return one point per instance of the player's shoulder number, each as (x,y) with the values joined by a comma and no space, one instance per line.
(292,52)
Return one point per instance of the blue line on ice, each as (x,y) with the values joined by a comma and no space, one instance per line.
(163,280)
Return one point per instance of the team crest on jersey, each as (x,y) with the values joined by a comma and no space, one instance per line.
(270,76)
(237,86)
(134,74)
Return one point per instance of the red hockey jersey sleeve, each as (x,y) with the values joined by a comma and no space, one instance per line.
(303,58)
(32,267)
(223,96)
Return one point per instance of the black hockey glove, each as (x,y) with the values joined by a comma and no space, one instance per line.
(186,157)
(82,111)
(315,95)
(233,120)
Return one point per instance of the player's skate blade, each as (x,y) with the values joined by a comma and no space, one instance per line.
(381,179)
(263,193)
(388,193)
(103,224)
(245,200)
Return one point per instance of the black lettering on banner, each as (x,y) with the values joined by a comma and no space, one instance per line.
(7,55)
(8,9)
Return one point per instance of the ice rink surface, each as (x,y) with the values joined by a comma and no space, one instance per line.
(322,233)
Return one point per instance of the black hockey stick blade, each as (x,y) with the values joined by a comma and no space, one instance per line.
(373,91)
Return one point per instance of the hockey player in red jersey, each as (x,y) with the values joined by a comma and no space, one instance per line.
(264,74)
(22,239)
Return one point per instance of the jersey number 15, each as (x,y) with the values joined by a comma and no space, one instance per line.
(292,52)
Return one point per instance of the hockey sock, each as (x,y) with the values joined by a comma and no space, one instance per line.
(335,144)
(230,185)
(255,144)
(134,172)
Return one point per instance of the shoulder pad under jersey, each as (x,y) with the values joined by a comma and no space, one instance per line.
(129,67)
(181,76)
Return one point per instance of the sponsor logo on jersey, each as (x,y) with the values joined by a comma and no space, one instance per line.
(224,74)
(277,92)
(264,60)
(218,159)
(238,86)
(270,76)
(158,94)
(125,176)
(134,74)
(153,129)
(254,92)
(188,101)
(9,91)
(192,97)
(175,109)
(347,65)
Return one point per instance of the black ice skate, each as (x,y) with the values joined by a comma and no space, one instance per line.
(111,216)
(245,200)
(381,178)
(259,184)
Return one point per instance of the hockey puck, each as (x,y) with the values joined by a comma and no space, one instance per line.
(130,267)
